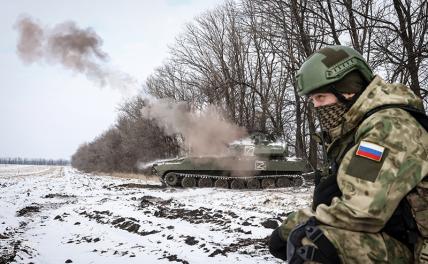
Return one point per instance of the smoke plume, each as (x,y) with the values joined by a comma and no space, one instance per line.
(205,132)
(74,48)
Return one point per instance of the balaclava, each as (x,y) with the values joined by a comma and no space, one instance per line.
(332,115)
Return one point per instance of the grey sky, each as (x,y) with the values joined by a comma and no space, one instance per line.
(46,110)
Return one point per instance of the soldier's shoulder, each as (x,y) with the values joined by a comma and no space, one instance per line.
(390,122)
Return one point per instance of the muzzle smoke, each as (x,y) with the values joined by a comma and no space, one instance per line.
(74,48)
(204,132)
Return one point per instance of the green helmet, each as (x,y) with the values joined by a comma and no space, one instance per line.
(329,65)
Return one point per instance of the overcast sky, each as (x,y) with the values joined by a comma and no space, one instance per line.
(47,111)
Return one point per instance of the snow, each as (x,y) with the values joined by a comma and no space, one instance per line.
(54,214)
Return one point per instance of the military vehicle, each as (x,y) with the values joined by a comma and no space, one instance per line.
(257,162)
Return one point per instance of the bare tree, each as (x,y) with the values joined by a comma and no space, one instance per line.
(243,58)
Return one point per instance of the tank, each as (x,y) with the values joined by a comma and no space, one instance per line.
(253,163)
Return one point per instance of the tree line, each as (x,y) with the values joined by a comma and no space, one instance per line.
(129,143)
(26,161)
(243,57)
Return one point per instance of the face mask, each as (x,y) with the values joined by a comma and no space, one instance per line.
(331,115)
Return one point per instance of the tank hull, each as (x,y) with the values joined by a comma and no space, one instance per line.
(231,172)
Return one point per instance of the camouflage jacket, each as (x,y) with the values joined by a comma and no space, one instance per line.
(372,187)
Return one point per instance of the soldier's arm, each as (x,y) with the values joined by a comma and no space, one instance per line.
(278,239)
(371,190)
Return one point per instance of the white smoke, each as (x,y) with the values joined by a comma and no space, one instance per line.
(204,132)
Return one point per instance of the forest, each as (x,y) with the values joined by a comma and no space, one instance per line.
(242,58)
(39,161)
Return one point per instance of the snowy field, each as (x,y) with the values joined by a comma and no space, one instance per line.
(59,215)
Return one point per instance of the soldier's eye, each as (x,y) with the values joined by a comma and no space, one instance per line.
(318,97)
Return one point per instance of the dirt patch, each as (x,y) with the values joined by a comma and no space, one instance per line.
(61,217)
(8,253)
(84,239)
(259,244)
(99,216)
(195,216)
(270,223)
(59,195)
(240,230)
(147,201)
(7,184)
(216,252)
(171,209)
(129,224)
(175,259)
(191,241)
(11,248)
(28,210)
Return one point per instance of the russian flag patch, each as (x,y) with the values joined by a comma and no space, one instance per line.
(370,151)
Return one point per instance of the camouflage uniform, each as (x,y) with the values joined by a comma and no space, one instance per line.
(371,190)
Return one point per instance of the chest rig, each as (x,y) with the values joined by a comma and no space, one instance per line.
(404,225)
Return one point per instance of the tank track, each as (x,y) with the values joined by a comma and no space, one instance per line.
(189,180)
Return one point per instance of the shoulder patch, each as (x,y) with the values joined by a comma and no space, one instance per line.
(370,151)
(365,164)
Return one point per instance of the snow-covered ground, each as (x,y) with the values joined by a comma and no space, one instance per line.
(59,215)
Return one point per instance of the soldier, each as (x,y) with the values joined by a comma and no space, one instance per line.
(371,206)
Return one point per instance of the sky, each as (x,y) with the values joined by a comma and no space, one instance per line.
(46,110)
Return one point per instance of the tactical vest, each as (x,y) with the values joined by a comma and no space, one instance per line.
(410,220)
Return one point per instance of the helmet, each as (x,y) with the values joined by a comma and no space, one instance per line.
(329,65)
